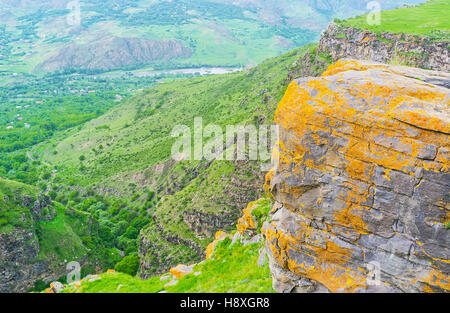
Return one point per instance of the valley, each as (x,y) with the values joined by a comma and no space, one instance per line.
(87,174)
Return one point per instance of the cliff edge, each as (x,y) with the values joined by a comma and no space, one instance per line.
(362,186)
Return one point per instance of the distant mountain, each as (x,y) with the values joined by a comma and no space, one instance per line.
(115,52)
(41,35)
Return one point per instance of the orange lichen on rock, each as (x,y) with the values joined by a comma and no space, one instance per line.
(433,280)
(329,265)
(247,222)
(363,160)
(181,270)
(348,65)
(220,235)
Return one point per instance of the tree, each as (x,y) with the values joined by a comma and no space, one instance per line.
(131,233)
(129,265)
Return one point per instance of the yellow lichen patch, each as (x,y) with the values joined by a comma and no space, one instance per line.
(356,128)
(350,217)
(329,266)
(246,221)
(437,279)
(358,170)
(181,270)
(347,65)
(220,235)
(386,175)
(423,119)
(268,180)
(446,219)
(336,278)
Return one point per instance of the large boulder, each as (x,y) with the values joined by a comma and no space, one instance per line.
(362,184)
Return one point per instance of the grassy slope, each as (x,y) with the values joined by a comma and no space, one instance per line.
(139,130)
(58,240)
(234,269)
(231,268)
(428,19)
(12,212)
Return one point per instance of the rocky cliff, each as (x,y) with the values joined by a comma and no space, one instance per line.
(362,186)
(19,246)
(407,49)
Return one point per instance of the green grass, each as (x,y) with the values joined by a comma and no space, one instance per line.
(233,268)
(12,212)
(428,19)
(58,241)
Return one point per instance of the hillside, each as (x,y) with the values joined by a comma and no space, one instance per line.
(426,19)
(416,36)
(235,263)
(38,237)
(130,157)
(363,173)
(120,53)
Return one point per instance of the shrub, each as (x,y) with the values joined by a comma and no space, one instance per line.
(129,265)
(39,286)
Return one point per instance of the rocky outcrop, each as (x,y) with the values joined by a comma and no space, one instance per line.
(311,64)
(181,270)
(159,250)
(362,183)
(407,49)
(17,273)
(19,248)
(41,209)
